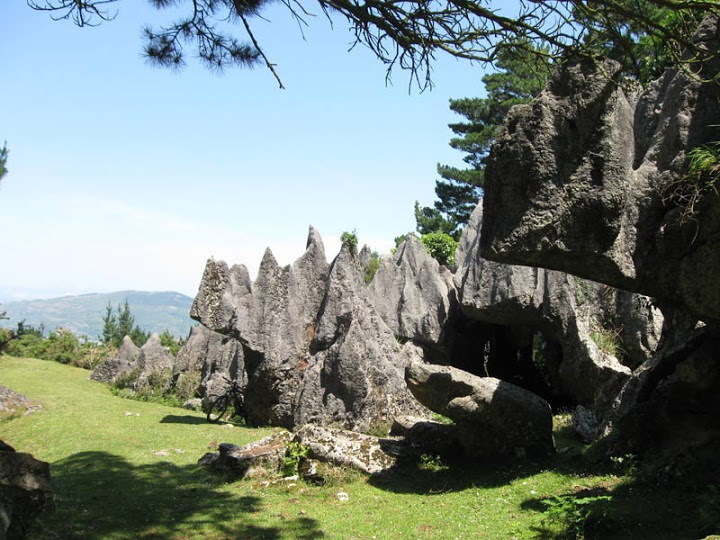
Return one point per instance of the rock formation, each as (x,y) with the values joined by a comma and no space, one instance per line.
(568,311)
(24,491)
(586,179)
(315,349)
(209,358)
(121,364)
(581,180)
(491,417)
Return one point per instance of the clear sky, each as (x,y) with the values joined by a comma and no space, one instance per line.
(125,176)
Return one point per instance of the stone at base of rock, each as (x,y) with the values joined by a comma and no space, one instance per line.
(242,461)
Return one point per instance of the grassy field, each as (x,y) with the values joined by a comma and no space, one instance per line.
(124,469)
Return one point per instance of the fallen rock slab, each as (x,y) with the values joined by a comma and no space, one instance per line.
(255,459)
(365,453)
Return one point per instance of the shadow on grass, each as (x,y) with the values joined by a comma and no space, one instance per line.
(409,476)
(183,419)
(101,495)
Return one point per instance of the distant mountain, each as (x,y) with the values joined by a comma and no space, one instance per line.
(83,314)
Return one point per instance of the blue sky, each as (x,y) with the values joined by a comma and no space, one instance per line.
(125,176)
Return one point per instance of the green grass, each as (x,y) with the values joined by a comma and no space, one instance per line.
(127,476)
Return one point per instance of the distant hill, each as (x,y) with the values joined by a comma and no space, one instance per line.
(83,314)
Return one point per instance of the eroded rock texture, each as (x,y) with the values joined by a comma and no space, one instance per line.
(584,180)
(576,182)
(572,314)
(491,417)
(121,364)
(209,359)
(24,491)
(315,348)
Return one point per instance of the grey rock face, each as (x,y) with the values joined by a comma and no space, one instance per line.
(211,358)
(154,357)
(123,363)
(567,310)
(24,491)
(492,417)
(576,178)
(315,349)
(413,294)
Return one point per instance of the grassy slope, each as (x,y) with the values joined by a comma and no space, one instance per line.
(110,483)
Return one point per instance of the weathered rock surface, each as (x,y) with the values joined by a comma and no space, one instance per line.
(576,181)
(365,453)
(315,348)
(413,294)
(14,402)
(122,364)
(567,310)
(260,458)
(211,359)
(491,417)
(24,491)
(154,357)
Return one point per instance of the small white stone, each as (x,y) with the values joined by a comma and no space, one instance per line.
(342,496)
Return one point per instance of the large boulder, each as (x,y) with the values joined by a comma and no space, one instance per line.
(492,417)
(315,349)
(581,180)
(24,491)
(121,364)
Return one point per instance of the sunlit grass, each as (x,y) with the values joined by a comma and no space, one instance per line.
(125,469)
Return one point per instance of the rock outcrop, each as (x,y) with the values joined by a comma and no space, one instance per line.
(491,417)
(315,348)
(568,311)
(121,364)
(581,180)
(210,359)
(588,179)
(24,491)
(413,294)
(154,358)
(12,402)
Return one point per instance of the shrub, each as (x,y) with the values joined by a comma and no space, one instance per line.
(350,241)
(372,267)
(441,246)
(294,455)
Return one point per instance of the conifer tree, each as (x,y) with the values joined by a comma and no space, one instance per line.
(519,78)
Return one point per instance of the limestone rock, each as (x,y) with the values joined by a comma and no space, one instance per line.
(14,402)
(212,359)
(565,309)
(413,294)
(24,491)
(263,457)
(365,453)
(492,417)
(121,364)
(315,349)
(578,181)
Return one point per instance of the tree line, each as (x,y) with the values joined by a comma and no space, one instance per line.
(64,346)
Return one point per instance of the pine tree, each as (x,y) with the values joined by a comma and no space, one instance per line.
(125,321)
(109,326)
(520,77)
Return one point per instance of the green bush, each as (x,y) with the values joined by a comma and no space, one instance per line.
(441,246)
(372,267)
(294,455)
(350,241)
